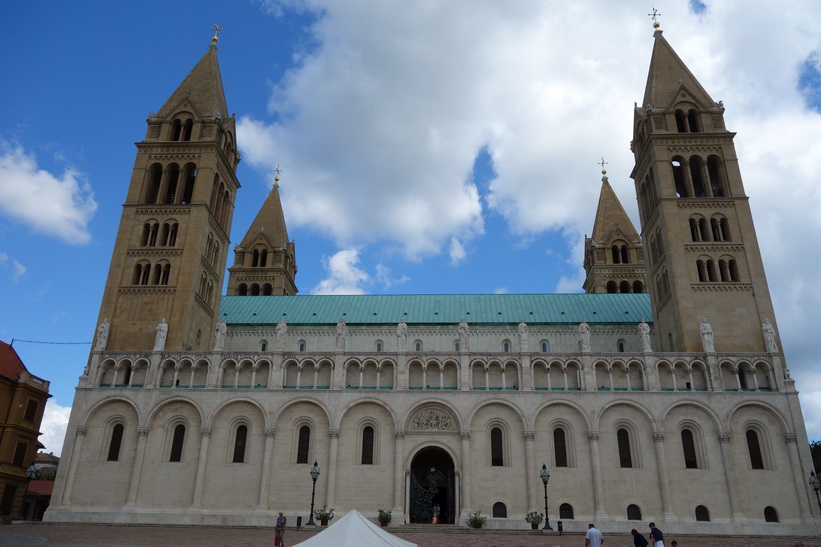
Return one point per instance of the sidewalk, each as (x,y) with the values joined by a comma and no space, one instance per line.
(34,533)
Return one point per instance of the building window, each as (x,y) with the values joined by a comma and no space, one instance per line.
(418,345)
(31,410)
(566,511)
(702,514)
(770,514)
(633,512)
(625,458)
(499,510)
(506,346)
(379,345)
(302,345)
(115,443)
(367,446)
(20,454)
(545,347)
(176,443)
(689,446)
(496,448)
(620,346)
(559,447)
(753,446)
(303,444)
(240,440)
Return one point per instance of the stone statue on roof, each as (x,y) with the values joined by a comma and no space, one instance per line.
(341,330)
(402,335)
(102,335)
(523,335)
(219,342)
(584,336)
(282,329)
(707,337)
(644,333)
(161,335)
(464,335)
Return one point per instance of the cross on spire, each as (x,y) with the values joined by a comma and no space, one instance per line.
(277,170)
(603,163)
(216,28)
(654,15)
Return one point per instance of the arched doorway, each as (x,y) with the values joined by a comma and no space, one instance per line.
(432,481)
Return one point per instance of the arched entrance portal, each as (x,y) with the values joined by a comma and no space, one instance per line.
(432,481)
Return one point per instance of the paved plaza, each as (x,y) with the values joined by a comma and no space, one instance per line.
(30,534)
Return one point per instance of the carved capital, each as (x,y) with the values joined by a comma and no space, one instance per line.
(658,436)
(205,432)
(593,435)
(399,435)
(81,430)
(333,433)
(724,437)
(530,436)
(143,431)
(465,435)
(270,432)
(790,438)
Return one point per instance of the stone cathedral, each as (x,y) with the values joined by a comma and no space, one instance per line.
(660,393)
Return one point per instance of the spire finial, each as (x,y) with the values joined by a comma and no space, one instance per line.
(603,163)
(216,28)
(655,14)
(277,170)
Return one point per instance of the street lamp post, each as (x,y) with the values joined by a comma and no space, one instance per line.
(816,485)
(314,475)
(545,475)
(31,472)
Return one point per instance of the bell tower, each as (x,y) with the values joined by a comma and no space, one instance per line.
(170,254)
(703,259)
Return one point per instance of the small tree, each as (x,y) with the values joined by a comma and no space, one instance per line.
(534,517)
(476,520)
(384,517)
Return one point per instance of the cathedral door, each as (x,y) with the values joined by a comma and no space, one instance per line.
(432,482)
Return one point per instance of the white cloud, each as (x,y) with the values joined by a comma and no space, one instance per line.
(60,206)
(53,427)
(344,277)
(381,121)
(18,269)
(385,278)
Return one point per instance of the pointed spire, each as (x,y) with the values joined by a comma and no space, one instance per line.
(668,74)
(202,88)
(270,221)
(611,216)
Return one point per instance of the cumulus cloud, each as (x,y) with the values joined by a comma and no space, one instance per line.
(55,205)
(53,427)
(382,120)
(344,276)
(18,270)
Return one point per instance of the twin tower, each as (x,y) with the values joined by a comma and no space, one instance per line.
(697,255)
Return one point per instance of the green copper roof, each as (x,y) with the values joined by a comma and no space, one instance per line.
(437,309)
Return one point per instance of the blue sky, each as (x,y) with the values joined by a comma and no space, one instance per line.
(431,147)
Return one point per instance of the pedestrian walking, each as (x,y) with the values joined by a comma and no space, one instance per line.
(593,537)
(656,535)
(280,530)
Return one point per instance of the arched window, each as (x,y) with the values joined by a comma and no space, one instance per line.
(240,438)
(378,345)
(689,446)
(172,177)
(616,254)
(559,447)
(189,178)
(545,346)
(302,345)
(114,444)
(506,346)
(496,448)
(625,258)
(754,448)
(770,514)
(267,289)
(152,186)
(566,511)
(176,129)
(186,129)
(242,289)
(693,121)
(149,236)
(418,345)
(263,346)
(638,287)
(625,457)
(367,446)
(177,443)
(620,346)
(499,510)
(254,289)
(681,121)
(716,173)
(633,512)
(303,444)
(678,177)
(624,287)
(702,514)
(612,288)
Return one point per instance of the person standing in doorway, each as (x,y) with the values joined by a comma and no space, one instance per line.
(280,530)
(656,535)
(436,512)
(593,537)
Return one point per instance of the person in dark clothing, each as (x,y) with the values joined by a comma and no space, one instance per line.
(638,539)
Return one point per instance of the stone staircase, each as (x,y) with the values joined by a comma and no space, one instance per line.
(456,529)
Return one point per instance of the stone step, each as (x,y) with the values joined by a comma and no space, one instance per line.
(456,529)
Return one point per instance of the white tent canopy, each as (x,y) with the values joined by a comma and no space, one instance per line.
(354,530)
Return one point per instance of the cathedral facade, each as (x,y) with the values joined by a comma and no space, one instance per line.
(661,393)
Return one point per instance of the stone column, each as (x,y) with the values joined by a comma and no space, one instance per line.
(275,374)
(795,463)
(595,471)
(724,441)
(136,471)
(265,478)
(464,370)
(466,474)
(664,484)
(530,465)
(589,375)
(199,480)
(76,457)
(398,472)
(527,373)
(332,457)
